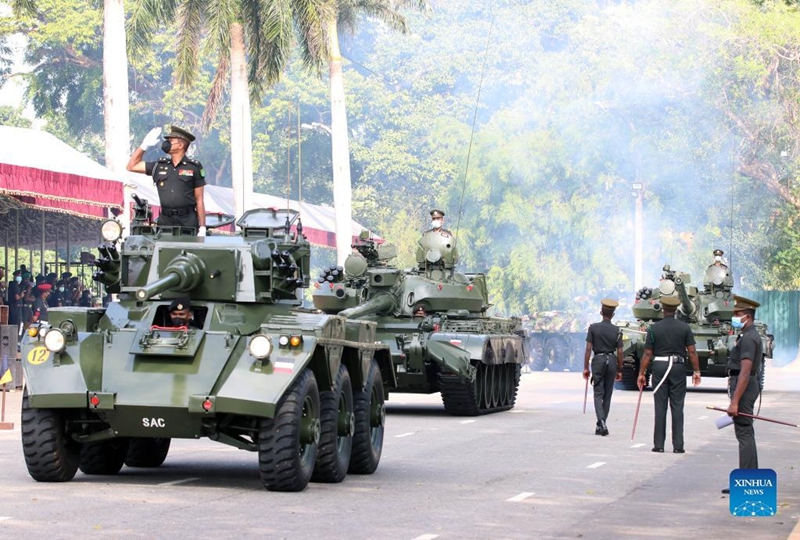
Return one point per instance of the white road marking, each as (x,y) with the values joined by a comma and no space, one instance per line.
(519,411)
(557,402)
(3,518)
(638,445)
(596,465)
(703,417)
(521,497)
(426,537)
(467,421)
(176,482)
(404,434)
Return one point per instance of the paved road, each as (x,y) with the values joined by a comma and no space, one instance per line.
(535,472)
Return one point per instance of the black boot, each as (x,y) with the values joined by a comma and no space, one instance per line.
(599,429)
(604,427)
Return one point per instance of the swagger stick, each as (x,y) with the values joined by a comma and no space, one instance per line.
(755,417)
(636,415)
(585,396)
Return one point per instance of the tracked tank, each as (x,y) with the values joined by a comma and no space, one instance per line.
(433,319)
(708,311)
(108,388)
(557,340)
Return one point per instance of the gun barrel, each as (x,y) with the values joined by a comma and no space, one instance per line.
(379,304)
(184,273)
(686,303)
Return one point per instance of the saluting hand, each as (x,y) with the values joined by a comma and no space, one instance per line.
(151,139)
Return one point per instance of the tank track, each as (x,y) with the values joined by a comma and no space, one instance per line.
(493,390)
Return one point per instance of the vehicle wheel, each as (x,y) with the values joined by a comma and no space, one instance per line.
(103,457)
(761,377)
(515,371)
(336,437)
(630,373)
(287,444)
(370,418)
(147,452)
(555,354)
(538,358)
(50,454)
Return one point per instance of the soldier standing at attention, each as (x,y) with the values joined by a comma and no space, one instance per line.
(744,370)
(667,344)
(179,179)
(605,340)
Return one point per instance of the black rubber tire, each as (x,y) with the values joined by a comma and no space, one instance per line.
(103,457)
(50,454)
(630,372)
(147,452)
(369,406)
(555,354)
(287,444)
(538,360)
(338,423)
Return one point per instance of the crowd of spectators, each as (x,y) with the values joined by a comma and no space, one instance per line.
(27,297)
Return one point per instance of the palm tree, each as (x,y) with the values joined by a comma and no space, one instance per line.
(347,12)
(253,40)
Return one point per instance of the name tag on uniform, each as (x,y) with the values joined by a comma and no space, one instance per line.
(185,172)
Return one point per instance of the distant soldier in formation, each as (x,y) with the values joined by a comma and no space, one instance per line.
(179,179)
(605,340)
(667,343)
(744,371)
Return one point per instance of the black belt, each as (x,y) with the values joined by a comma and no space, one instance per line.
(735,373)
(180,211)
(599,353)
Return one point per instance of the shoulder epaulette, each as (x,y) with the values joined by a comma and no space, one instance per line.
(194,162)
(164,159)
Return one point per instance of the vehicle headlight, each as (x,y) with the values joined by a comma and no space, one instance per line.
(260,346)
(111,230)
(54,340)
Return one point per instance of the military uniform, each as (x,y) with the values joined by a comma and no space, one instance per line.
(748,346)
(605,339)
(39,305)
(668,339)
(176,186)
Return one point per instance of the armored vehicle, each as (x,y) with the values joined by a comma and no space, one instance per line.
(708,311)
(112,387)
(557,340)
(434,321)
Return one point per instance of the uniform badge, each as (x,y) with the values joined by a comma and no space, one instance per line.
(161,184)
(185,172)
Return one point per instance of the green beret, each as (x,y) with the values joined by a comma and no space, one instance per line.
(179,133)
(741,303)
(670,301)
(609,303)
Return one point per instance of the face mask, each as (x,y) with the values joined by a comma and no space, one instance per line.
(179,321)
(166,146)
(436,223)
(718,258)
(18,279)
(61,289)
(737,322)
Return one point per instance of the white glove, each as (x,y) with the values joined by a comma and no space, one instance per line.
(151,139)
(201,231)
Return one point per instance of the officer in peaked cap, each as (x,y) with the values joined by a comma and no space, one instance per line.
(603,339)
(180,180)
(437,220)
(180,312)
(744,377)
(669,343)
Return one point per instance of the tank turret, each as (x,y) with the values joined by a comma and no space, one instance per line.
(434,320)
(708,313)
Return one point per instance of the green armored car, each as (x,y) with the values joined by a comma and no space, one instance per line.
(111,387)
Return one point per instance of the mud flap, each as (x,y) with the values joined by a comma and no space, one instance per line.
(451,358)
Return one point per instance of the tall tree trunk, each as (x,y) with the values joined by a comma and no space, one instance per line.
(115,92)
(340,152)
(241,126)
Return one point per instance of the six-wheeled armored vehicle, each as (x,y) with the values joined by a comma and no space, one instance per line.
(111,387)
(708,311)
(433,319)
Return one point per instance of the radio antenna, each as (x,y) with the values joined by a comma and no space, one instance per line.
(474,121)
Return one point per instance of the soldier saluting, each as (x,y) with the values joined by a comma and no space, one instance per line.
(605,340)
(179,179)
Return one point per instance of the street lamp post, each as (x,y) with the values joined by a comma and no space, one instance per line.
(637,190)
